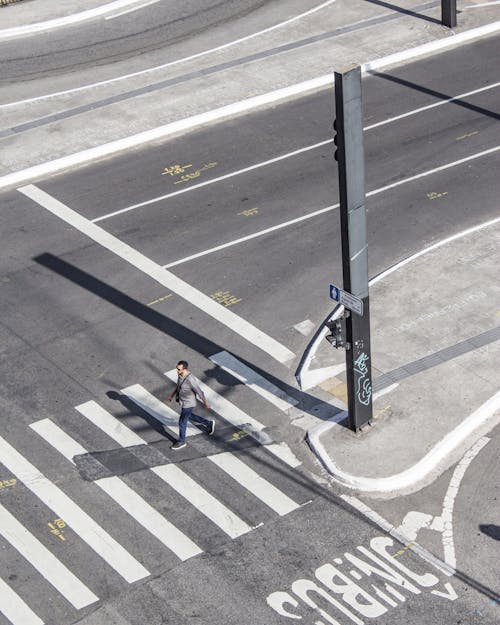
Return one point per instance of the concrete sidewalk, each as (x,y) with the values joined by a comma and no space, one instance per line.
(435,354)
(55,117)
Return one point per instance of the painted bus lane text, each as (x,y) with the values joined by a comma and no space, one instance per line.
(366,585)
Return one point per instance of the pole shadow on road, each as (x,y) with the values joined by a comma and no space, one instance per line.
(493,531)
(176,330)
(394,7)
(436,94)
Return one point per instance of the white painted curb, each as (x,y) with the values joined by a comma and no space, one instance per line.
(243,106)
(415,474)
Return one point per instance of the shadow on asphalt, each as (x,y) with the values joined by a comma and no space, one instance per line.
(436,94)
(493,531)
(421,16)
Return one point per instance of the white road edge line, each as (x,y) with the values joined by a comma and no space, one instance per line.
(449,500)
(244,106)
(177,61)
(409,477)
(192,295)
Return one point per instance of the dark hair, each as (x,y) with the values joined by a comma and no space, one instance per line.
(183,364)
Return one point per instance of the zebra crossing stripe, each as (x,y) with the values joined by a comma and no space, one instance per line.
(173,476)
(15,609)
(139,509)
(254,380)
(254,483)
(232,414)
(110,425)
(208,505)
(40,558)
(88,530)
(165,415)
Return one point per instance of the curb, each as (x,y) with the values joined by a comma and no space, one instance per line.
(243,106)
(408,479)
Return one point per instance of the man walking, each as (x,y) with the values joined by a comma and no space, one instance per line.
(187,390)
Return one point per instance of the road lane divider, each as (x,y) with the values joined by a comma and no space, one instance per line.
(291,222)
(155,271)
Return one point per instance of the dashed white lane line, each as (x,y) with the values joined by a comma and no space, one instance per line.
(177,61)
(192,295)
(449,501)
(68,20)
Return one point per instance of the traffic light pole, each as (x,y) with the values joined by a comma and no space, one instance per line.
(449,13)
(350,157)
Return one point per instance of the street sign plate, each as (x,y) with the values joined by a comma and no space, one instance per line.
(346,299)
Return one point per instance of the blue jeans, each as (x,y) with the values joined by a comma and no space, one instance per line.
(186,415)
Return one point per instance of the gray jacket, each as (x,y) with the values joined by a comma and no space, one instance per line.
(189,388)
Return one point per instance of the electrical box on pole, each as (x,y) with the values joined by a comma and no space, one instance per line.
(349,153)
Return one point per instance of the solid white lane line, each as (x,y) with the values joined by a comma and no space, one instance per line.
(254,483)
(212,180)
(206,503)
(178,61)
(85,527)
(131,502)
(390,120)
(449,500)
(253,380)
(287,155)
(109,424)
(192,295)
(15,609)
(142,6)
(164,414)
(254,235)
(40,558)
(434,171)
(313,214)
(234,415)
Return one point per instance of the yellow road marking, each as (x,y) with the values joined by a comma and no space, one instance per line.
(160,299)
(469,134)
(225,298)
(434,195)
(249,212)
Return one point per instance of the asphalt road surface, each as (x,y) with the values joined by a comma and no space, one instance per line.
(243,213)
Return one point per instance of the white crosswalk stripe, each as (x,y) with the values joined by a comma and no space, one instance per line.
(122,494)
(234,415)
(253,380)
(40,558)
(254,483)
(165,415)
(76,518)
(208,505)
(15,609)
